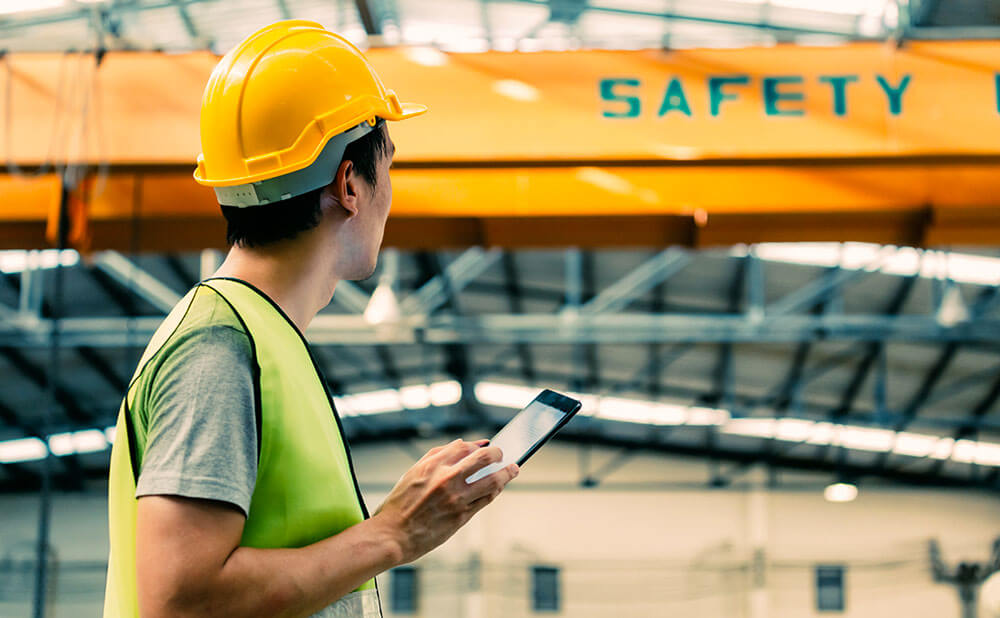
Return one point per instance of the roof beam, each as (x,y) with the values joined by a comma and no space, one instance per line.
(11,418)
(457,361)
(367,14)
(103,368)
(927,385)
(186,19)
(176,265)
(119,295)
(286,13)
(815,291)
(722,379)
(12,23)
(874,350)
(331,329)
(134,278)
(707,18)
(933,376)
(972,424)
(350,296)
(639,281)
(587,353)
(654,373)
(512,287)
(40,379)
(442,287)
(791,385)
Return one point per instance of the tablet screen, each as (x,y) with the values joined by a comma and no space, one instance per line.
(524,431)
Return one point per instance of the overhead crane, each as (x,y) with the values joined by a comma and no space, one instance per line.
(865,141)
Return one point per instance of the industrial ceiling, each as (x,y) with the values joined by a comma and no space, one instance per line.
(850,360)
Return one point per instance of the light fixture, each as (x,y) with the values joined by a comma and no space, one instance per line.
(914,444)
(383,308)
(504,395)
(22,449)
(419,396)
(445,393)
(414,397)
(25,6)
(805,431)
(85,441)
(18,260)
(840,492)
(953,309)
(888,259)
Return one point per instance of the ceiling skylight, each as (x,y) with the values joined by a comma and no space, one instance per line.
(903,261)
(16,261)
(818,433)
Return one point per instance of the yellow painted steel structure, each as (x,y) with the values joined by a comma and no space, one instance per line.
(592,148)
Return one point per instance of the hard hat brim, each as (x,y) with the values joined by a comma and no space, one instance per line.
(409,111)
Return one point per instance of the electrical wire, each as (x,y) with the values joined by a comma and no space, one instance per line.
(48,164)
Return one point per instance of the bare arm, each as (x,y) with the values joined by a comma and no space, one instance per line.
(189,562)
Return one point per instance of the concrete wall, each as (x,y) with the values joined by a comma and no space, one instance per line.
(648,541)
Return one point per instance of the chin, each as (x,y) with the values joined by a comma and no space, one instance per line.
(363,271)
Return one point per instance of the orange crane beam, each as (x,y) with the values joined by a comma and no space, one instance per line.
(590,148)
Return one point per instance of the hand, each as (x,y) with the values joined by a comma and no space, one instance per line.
(432,500)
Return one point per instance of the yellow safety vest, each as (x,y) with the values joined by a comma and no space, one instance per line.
(306,489)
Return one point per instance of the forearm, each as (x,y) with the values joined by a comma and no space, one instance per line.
(288,582)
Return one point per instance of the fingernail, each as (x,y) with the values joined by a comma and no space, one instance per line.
(483,442)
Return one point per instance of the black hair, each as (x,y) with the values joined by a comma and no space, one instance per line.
(257,226)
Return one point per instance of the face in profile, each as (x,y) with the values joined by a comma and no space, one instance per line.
(373,210)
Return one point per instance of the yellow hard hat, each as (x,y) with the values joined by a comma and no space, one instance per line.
(281,107)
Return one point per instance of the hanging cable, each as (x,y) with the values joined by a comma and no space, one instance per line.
(48,164)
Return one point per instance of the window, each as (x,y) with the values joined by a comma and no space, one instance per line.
(545,588)
(830,588)
(403,590)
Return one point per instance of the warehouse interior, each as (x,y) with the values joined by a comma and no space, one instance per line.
(757,239)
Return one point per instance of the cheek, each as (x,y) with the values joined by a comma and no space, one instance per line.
(386,197)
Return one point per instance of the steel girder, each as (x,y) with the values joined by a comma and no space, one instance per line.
(543,329)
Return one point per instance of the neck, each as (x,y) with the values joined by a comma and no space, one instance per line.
(295,275)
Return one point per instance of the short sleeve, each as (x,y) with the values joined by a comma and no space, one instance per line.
(202,429)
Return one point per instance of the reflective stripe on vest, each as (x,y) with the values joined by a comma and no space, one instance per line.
(306,489)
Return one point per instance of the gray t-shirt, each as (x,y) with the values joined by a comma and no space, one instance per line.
(202,437)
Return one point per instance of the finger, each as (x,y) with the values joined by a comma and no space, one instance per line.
(514,470)
(479,459)
(457,451)
(485,486)
(436,450)
(491,483)
(499,482)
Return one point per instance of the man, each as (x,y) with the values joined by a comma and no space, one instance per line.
(232,490)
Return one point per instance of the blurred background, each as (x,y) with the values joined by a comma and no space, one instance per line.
(759,239)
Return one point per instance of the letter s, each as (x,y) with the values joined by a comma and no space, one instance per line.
(608,94)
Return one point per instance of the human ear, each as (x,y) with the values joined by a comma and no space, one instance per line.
(344,188)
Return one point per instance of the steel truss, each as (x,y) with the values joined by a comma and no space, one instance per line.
(433,311)
(604,318)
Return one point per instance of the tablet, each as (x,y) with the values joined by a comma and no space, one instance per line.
(529,430)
